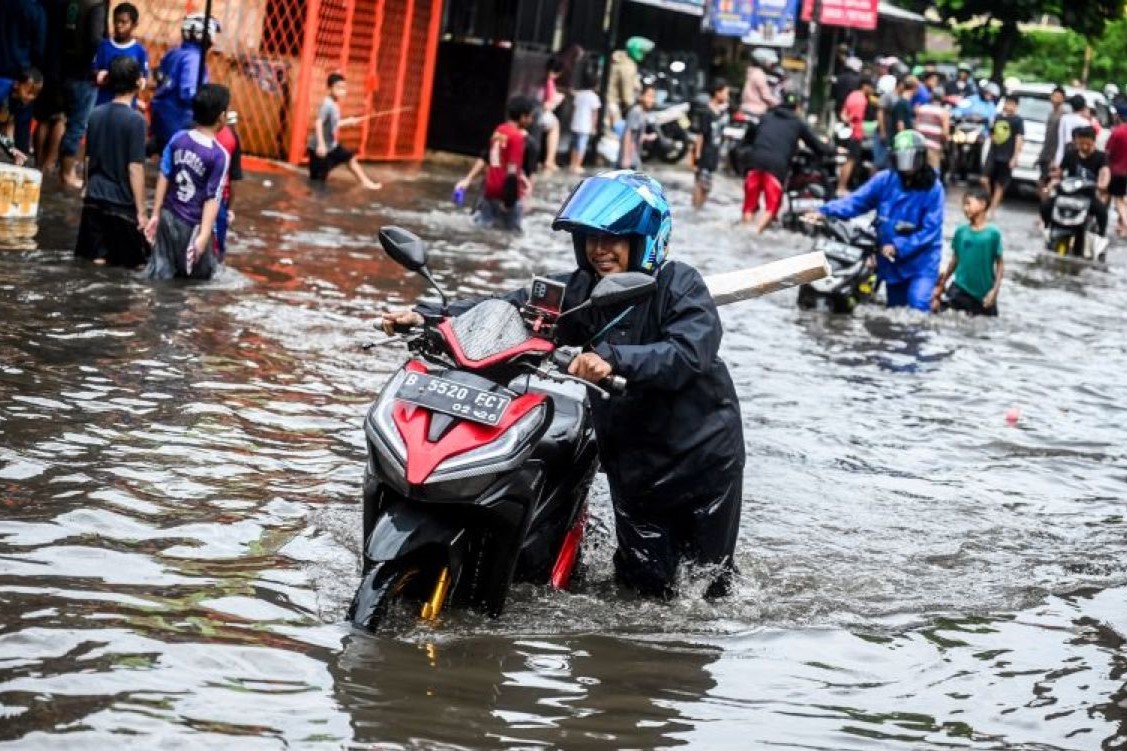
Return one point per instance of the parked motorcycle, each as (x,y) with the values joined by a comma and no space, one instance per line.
(671,124)
(1073,231)
(480,453)
(964,148)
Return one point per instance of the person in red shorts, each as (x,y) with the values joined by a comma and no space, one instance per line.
(768,158)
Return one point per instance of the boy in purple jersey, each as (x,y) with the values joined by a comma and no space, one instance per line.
(195,165)
(125,17)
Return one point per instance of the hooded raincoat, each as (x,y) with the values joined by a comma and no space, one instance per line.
(918,253)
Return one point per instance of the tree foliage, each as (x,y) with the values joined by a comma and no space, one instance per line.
(1058,57)
(990,27)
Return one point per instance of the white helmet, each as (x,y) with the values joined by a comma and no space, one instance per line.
(765,57)
(993,89)
(886,84)
(1111,91)
(191,28)
(853,63)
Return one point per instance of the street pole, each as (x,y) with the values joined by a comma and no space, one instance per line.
(811,55)
(205,44)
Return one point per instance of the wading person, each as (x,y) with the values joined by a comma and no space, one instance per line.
(125,17)
(506,182)
(634,131)
(193,169)
(1117,163)
(325,151)
(83,25)
(706,150)
(113,212)
(17,97)
(772,147)
(908,199)
(177,77)
(1007,136)
(853,114)
(672,446)
(976,262)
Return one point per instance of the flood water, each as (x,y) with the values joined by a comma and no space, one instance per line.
(180,470)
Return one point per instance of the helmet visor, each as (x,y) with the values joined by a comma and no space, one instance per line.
(908,160)
(600,204)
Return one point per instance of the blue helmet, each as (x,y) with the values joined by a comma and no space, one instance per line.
(619,203)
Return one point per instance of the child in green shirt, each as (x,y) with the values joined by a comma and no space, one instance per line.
(976,262)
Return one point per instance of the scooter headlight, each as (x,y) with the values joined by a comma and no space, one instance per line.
(506,452)
(381,428)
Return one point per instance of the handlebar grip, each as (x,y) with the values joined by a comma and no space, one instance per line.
(614,384)
(399,328)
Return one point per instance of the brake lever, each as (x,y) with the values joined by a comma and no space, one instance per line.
(383,342)
(561,377)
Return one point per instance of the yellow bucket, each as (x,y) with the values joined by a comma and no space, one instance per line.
(19,192)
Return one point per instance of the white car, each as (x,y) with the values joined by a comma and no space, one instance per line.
(1034,108)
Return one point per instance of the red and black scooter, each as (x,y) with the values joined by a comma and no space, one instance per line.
(480,453)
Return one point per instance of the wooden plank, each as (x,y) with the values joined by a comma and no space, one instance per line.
(746,284)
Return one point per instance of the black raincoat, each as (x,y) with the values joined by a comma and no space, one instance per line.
(672,446)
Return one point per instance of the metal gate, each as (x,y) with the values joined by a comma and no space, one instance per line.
(275,56)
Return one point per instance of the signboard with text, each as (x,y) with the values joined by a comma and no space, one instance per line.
(732,18)
(772,23)
(855,14)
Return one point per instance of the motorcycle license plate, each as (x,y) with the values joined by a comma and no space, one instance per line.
(806,204)
(838,250)
(452,398)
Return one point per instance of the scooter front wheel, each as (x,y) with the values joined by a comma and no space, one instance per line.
(382,584)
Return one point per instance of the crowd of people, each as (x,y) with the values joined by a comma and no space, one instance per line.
(71,107)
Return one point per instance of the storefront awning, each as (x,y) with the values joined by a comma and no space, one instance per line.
(692,7)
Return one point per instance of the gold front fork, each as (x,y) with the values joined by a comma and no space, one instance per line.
(433,606)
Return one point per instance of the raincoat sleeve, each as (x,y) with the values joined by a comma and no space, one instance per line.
(861,201)
(811,139)
(690,340)
(930,234)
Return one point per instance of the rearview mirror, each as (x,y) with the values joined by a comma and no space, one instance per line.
(619,288)
(405,248)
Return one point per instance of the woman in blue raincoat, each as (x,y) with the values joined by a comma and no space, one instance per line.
(907,195)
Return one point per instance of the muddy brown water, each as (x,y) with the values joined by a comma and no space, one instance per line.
(180,467)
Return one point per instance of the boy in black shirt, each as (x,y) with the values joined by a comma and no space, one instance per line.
(706,154)
(1007,136)
(113,213)
(1083,160)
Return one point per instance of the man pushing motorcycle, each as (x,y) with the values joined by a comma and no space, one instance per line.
(908,200)
(672,446)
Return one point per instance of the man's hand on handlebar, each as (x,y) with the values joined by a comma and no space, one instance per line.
(813,217)
(400,318)
(590,367)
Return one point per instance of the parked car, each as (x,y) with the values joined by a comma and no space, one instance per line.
(1034,109)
